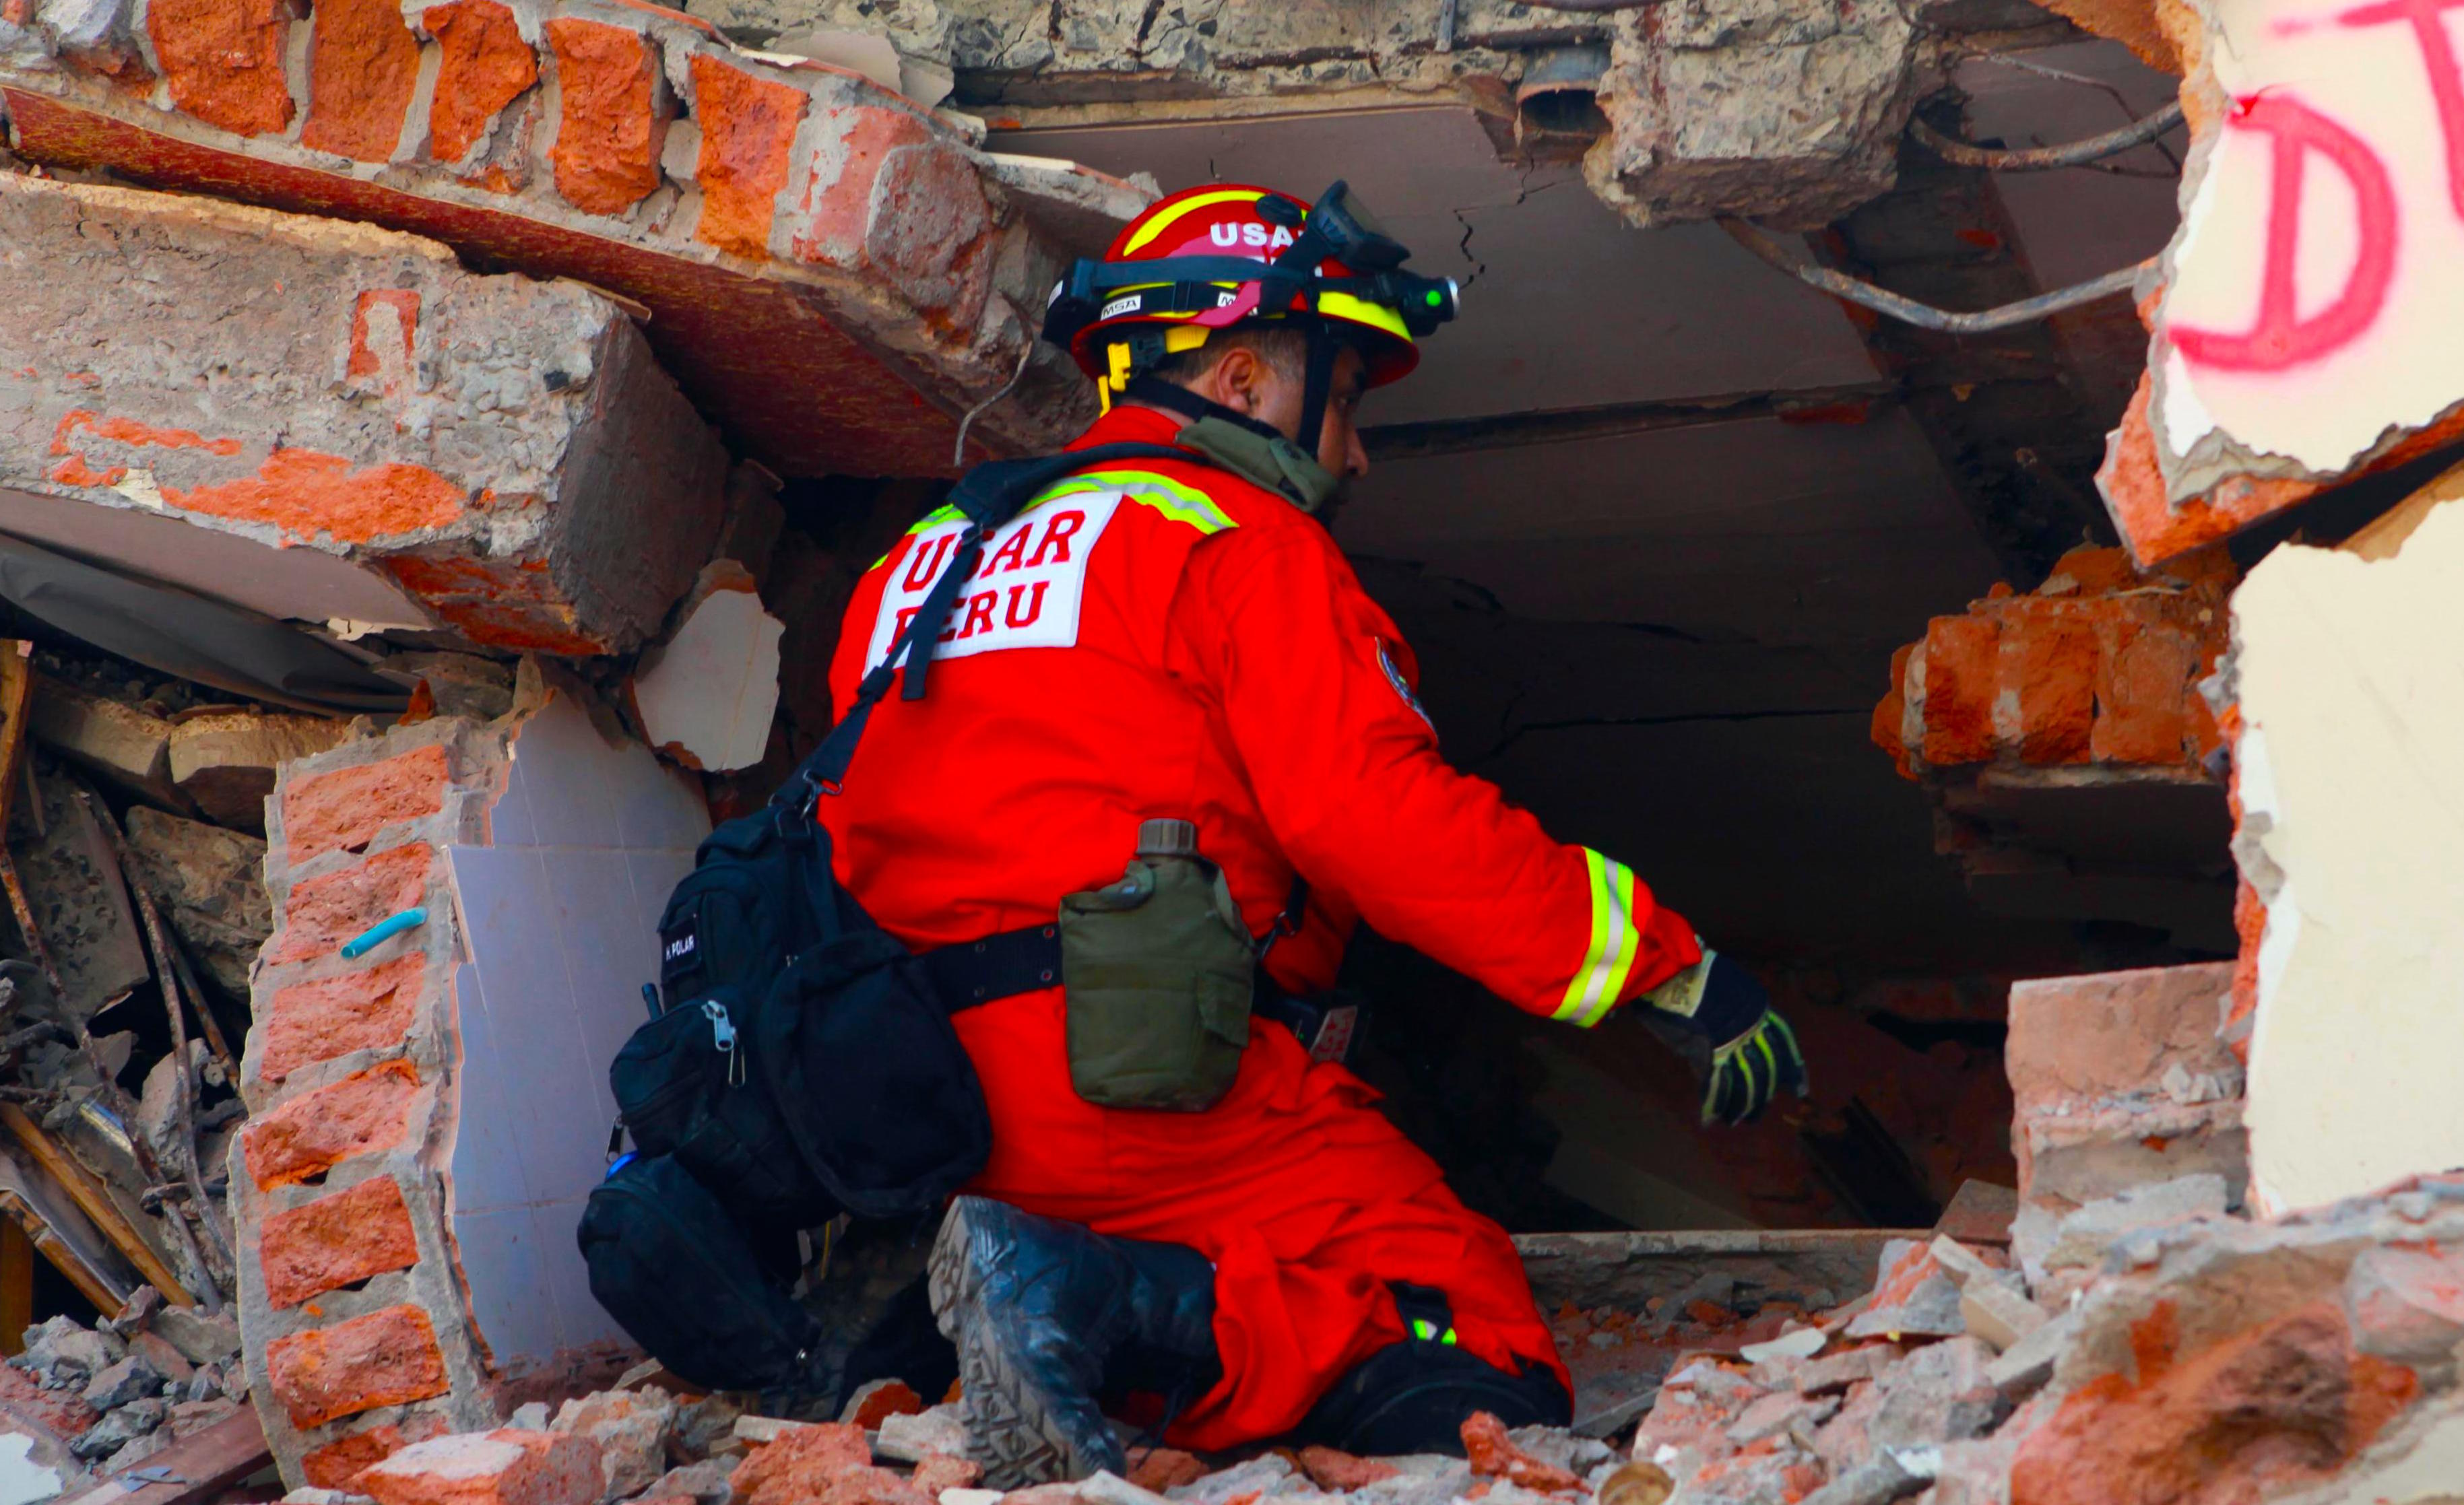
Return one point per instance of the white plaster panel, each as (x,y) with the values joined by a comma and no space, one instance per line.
(2354,835)
(561,914)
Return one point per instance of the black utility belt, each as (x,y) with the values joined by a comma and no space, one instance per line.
(1012,962)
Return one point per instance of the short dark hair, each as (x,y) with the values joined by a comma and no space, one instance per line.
(1287,350)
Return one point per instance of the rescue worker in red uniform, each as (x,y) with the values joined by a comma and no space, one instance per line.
(1181,640)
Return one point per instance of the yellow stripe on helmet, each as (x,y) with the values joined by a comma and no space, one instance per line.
(1199,201)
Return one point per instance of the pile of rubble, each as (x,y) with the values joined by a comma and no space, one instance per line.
(105,1398)
(2148,1346)
(133,807)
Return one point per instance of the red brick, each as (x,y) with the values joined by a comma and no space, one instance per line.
(485,65)
(336,1241)
(336,1464)
(350,806)
(316,1132)
(1959,682)
(2048,671)
(324,912)
(496,1467)
(837,209)
(312,1021)
(2144,690)
(748,127)
(383,1358)
(363,64)
(223,60)
(830,1462)
(1891,715)
(1492,1453)
(611,129)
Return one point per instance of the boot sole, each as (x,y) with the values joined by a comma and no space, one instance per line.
(1012,1425)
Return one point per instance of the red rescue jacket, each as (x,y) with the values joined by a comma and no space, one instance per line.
(1169,639)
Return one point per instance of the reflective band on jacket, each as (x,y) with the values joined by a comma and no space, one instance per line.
(1166,495)
(1175,501)
(1601,977)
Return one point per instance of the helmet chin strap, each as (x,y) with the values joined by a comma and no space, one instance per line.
(1317,386)
(1253,450)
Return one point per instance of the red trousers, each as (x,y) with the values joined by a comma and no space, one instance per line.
(1307,1201)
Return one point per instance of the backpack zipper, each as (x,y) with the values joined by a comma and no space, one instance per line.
(722,1035)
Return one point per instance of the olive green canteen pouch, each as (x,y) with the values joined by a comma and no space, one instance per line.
(1159,971)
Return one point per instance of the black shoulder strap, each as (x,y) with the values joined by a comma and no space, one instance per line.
(987,496)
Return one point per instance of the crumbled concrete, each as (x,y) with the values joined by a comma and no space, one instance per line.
(73,884)
(631,1430)
(124,744)
(913,1438)
(207,883)
(2082,1236)
(500,457)
(225,760)
(1913,1296)
(2121,1079)
(1713,107)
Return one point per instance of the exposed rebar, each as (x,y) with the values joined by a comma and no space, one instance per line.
(1925,315)
(2039,159)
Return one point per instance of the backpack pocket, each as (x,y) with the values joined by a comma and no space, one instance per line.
(727,920)
(685,1087)
(876,1089)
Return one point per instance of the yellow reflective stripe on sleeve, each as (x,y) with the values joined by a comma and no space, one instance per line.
(1610,958)
(1175,501)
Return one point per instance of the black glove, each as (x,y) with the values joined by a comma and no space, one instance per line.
(1753,1052)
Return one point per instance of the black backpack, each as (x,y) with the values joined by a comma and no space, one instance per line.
(688,1280)
(804,1064)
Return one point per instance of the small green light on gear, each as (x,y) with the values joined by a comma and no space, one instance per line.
(1434,298)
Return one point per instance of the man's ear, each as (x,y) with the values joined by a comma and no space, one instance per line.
(1234,379)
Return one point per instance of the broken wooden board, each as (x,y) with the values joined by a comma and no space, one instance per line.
(33,1202)
(1624,1270)
(196,1467)
(95,1200)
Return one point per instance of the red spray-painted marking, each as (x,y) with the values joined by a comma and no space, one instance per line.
(2281,337)
(2438,54)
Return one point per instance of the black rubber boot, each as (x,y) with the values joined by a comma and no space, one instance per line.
(1048,1316)
(1415,1396)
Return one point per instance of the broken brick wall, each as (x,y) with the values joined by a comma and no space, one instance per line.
(427,1117)
(328,421)
(836,270)
(2071,759)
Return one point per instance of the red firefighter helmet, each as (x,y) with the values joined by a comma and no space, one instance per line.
(1229,254)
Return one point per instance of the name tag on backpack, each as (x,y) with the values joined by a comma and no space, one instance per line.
(1024,594)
